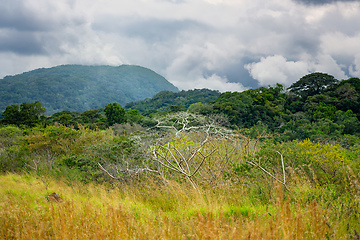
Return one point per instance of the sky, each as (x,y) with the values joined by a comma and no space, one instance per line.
(225,45)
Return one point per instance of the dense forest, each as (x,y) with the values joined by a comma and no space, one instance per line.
(166,100)
(266,163)
(81,88)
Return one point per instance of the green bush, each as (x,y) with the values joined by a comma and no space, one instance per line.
(10,135)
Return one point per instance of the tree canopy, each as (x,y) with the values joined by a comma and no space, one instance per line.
(312,84)
(115,113)
(28,114)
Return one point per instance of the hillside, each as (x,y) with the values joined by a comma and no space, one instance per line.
(80,88)
(162,100)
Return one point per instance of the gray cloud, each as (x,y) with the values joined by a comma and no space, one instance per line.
(151,30)
(14,15)
(173,1)
(321,2)
(36,27)
(25,16)
(23,43)
(220,44)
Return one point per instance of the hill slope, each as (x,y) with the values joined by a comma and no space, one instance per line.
(80,88)
(162,100)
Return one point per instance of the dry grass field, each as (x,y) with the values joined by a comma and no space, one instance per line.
(172,212)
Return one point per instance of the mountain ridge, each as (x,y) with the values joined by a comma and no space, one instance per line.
(82,87)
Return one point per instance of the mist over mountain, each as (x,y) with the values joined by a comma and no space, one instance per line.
(81,88)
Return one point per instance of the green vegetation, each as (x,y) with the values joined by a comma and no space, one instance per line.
(233,187)
(260,164)
(164,100)
(316,107)
(81,88)
(29,114)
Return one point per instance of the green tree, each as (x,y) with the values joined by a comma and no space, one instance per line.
(11,115)
(114,113)
(204,109)
(32,113)
(237,106)
(133,116)
(66,120)
(312,84)
(349,120)
(28,114)
(176,108)
(90,116)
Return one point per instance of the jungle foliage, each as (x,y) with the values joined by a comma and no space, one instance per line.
(167,100)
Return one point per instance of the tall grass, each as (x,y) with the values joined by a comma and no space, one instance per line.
(149,211)
(232,199)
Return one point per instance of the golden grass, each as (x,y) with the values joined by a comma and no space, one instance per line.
(147,211)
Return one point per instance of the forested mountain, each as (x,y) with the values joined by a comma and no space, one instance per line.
(81,88)
(163,100)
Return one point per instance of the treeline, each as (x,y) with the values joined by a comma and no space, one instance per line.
(318,107)
(166,100)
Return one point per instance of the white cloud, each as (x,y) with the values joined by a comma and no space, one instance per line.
(354,69)
(213,82)
(340,44)
(193,43)
(325,63)
(276,69)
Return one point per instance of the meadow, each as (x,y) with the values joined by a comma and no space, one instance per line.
(201,186)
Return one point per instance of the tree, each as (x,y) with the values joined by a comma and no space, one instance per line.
(114,113)
(29,114)
(133,116)
(32,113)
(237,106)
(66,120)
(11,115)
(312,84)
(176,108)
(90,116)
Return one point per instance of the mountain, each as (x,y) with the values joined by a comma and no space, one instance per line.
(81,88)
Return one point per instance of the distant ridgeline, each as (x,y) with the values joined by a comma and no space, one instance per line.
(81,88)
(163,101)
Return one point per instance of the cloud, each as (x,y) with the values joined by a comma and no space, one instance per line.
(173,1)
(354,69)
(152,30)
(24,43)
(197,43)
(38,15)
(321,2)
(276,69)
(213,82)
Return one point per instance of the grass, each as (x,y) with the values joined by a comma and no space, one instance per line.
(147,211)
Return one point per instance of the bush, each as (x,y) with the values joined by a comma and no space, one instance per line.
(10,135)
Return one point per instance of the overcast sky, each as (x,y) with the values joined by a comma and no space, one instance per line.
(228,45)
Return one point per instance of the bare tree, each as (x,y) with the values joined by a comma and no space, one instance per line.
(179,142)
(191,147)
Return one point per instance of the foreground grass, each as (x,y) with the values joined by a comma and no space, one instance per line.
(173,212)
